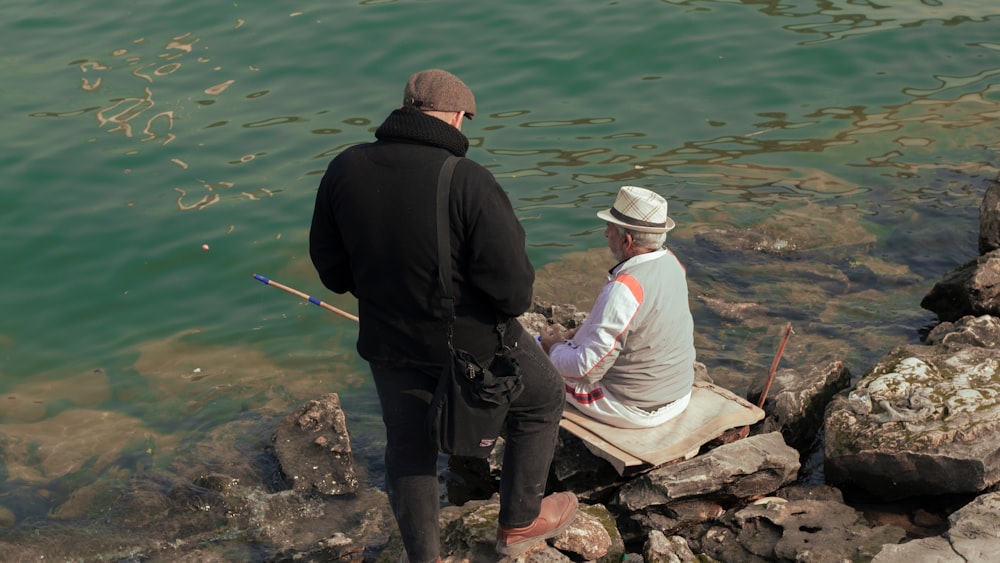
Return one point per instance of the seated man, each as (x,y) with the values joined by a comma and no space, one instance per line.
(631,363)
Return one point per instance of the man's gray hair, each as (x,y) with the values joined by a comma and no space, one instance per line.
(645,241)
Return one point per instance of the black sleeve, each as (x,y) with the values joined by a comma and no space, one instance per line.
(326,246)
(497,264)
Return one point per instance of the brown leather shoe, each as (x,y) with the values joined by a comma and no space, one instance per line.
(558,510)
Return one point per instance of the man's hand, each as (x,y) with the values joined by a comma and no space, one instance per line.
(550,335)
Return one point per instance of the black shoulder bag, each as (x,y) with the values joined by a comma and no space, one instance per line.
(471,401)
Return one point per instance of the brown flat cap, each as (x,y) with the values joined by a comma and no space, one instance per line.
(439,90)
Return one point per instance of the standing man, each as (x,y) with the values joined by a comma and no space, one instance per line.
(631,363)
(374,235)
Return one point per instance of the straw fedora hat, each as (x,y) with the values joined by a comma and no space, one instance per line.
(639,209)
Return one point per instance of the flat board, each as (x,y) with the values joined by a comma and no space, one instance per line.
(711,412)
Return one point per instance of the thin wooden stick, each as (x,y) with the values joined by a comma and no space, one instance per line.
(308,298)
(734,434)
(774,366)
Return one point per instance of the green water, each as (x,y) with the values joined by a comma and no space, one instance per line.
(135,133)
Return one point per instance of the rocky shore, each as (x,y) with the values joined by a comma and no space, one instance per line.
(897,464)
(910,472)
(915,436)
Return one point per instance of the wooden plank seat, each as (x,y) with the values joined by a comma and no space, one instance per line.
(711,412)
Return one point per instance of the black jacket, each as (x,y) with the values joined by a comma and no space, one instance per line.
(374,234)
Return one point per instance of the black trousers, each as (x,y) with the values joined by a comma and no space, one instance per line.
(531,430)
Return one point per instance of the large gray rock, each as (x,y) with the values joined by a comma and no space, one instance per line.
(971,289)
(468,533)
(661,549)
(314,448)
(923,421)
(973,536)
(982,331)
(796,401)
(757,465)
(774,529)
(677,516)
(593,536)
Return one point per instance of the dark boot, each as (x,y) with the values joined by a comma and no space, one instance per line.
(404,559)
(557,513)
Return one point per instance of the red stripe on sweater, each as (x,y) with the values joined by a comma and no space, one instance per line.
(632,284)
(586,398)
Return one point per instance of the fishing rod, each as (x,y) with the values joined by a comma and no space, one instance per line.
(308,298)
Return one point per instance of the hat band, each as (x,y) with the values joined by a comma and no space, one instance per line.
(637,222)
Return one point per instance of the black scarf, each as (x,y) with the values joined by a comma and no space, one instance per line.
(412,125)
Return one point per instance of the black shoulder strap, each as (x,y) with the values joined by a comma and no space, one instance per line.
(444,240)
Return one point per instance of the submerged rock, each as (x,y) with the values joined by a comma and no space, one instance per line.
(76,444)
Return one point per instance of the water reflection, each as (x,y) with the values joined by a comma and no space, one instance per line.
(919,132)
(856,136)
(155,126)
(273,121)
(130,108)
(572,122)
(833,20)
